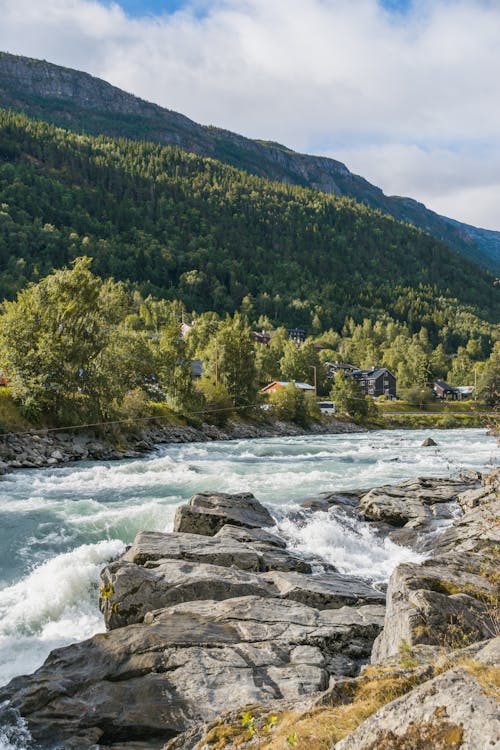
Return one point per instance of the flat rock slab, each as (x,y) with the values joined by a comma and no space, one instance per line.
(208,512)
(151,547)
(328,591)
(449,712)
(154,680)
(129,591)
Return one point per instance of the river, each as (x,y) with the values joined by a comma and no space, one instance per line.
(58,527)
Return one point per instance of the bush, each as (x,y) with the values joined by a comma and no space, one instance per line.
(289,403)
(135,407)
(218,405)
(417,395)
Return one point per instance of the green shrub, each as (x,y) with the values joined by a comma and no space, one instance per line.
(289,403)
(218,405)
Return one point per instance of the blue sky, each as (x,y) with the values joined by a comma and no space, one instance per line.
(140,8)
(405,92)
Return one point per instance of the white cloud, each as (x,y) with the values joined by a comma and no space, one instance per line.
(305,72)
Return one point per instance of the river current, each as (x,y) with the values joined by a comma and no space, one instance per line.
(58,527)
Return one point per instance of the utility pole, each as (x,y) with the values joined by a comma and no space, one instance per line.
(313,367)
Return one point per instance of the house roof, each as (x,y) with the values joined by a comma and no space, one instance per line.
(284,383)
(376,373)
(445,387)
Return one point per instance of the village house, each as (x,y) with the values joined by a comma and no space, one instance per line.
(271,387)
(452,393)
(378,381)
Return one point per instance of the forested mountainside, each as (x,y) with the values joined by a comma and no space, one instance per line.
(82,103)
(177,225)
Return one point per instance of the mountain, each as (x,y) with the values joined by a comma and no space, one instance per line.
(83,103)
(181,226)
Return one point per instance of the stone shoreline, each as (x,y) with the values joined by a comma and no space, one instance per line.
(39,449)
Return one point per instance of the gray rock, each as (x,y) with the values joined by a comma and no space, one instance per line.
(449,712)
(129,591)
(208,512)
(326,591)
(253,536)
(151,547)
(440,602)
(428,442)
(157,679)
(490,653)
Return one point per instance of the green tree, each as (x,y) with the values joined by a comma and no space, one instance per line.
(55,343)
(218,405)
(489,382)
(289,403)
(348,397)
(230,360)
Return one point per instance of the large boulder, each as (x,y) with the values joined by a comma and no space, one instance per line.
(417,501)
(183,665)
(443,601)
(208,512)
(452,598)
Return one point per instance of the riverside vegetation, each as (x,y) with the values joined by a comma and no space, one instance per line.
(78,350)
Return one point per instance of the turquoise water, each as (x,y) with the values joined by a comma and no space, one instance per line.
(58,527)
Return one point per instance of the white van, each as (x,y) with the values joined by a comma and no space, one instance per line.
(327,407)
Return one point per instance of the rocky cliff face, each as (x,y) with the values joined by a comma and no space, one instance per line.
(220,614)
(77,100)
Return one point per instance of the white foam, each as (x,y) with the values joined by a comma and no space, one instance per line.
(348,544)
(52,606)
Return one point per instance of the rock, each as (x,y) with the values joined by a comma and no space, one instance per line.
(149,548)
(254,536)
(327,591)
(154,680)
(4,468)
(208,512)
(416,503)
(449,712)
(490,653)
(129,591)
(438,602)
(428,442)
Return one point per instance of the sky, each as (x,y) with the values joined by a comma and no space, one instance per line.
(404,92)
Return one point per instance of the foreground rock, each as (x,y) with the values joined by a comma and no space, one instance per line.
(152,681)
(229,617)
(452,598)
(450,712)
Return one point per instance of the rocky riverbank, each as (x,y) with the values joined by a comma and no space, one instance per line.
(221,617)
(37,449)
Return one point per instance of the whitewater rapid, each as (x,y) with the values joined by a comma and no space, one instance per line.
(58,527)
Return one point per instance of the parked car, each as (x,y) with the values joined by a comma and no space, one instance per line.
(327,407)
